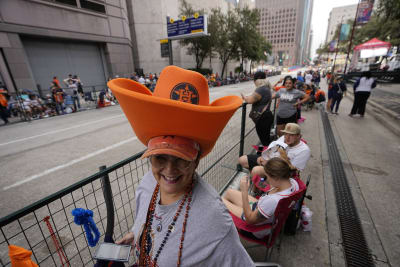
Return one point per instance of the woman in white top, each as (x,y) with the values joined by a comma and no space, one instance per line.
(362,91)
(261,211)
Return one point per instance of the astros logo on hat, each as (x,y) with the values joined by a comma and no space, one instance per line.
(179,106)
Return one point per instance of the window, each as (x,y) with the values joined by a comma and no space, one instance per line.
(94,6)
(68,2)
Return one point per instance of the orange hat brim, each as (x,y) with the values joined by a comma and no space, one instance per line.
(152,116)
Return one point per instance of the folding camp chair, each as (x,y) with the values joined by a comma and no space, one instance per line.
(281,213)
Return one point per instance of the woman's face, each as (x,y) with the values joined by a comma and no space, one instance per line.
(173,174)
(289,84)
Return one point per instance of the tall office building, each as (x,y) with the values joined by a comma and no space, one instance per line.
(286,24)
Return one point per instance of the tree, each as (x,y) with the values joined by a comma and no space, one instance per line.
(222,35)
(251,44)
(199,47)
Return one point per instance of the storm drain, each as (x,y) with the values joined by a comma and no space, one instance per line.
(354,244)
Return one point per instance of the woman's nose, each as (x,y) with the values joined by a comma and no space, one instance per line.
(170,166)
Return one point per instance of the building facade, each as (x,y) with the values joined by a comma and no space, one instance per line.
(94,39)
(339,15)
(149,22)
(286,24)
(40,39)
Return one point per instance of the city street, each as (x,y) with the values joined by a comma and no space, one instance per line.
(43,156)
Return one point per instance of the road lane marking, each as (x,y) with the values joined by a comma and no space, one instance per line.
(48,171)
(60,130)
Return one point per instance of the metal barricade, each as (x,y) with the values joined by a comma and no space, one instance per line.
(47,228)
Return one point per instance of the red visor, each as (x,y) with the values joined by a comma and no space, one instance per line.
(177,146)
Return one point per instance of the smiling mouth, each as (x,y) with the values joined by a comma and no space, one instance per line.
(171,180)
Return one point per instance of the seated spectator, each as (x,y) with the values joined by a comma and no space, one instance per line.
(69,104)
(261,211)
(142,80)
(319,96)
(297,153)
(172,186)
(36,105)
(26,106)
(49,106)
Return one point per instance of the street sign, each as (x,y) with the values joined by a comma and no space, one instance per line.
(164,48)
(187,27)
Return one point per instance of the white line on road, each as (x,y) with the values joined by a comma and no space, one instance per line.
(60,130)
(48,171)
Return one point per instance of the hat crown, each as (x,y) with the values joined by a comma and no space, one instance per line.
(292,128)
(182,85)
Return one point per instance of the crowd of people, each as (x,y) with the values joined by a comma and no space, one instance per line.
(61,98)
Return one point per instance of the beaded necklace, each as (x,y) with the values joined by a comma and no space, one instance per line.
(144,258)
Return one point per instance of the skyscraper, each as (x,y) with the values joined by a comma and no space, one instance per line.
(286,24)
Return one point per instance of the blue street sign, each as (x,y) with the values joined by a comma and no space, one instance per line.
(189,26)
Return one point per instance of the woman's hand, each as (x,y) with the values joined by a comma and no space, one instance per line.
(126,240)
(245,184)
(243,97)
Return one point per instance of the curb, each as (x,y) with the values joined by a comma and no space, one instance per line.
(381,114)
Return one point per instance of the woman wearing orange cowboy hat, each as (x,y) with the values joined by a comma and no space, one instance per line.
(180,219)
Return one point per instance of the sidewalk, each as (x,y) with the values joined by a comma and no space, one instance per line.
(369,153)
(383,105)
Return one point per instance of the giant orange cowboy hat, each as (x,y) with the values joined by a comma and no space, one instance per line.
(179,106)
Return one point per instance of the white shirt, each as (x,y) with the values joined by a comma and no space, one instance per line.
(142,80)
(308,78)
(298,154)
(365,85)
(268,203)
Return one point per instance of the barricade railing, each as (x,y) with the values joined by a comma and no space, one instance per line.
(380,76)
(66,244)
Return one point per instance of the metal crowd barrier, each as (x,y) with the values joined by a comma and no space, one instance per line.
(380,76)
(47,229)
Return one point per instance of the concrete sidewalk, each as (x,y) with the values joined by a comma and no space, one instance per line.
(383,105)
(370,154)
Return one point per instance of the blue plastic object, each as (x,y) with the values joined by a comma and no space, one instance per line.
(85,218)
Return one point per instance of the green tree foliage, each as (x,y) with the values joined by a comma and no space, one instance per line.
(251,44)
(232,35)
(222,35)
(199,47)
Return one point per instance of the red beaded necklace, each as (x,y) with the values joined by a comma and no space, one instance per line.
(144,258)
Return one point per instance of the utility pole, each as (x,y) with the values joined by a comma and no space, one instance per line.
(351,38)
(337,45)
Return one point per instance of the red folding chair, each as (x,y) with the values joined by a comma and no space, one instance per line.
(282,211)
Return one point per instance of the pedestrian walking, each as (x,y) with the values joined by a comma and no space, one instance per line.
(330,92)
(362,91)
(338,90)
(260,110)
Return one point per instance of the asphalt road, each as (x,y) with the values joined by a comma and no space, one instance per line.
(43,156)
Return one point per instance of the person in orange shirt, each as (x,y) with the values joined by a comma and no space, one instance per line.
(55,80)
(3,106)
